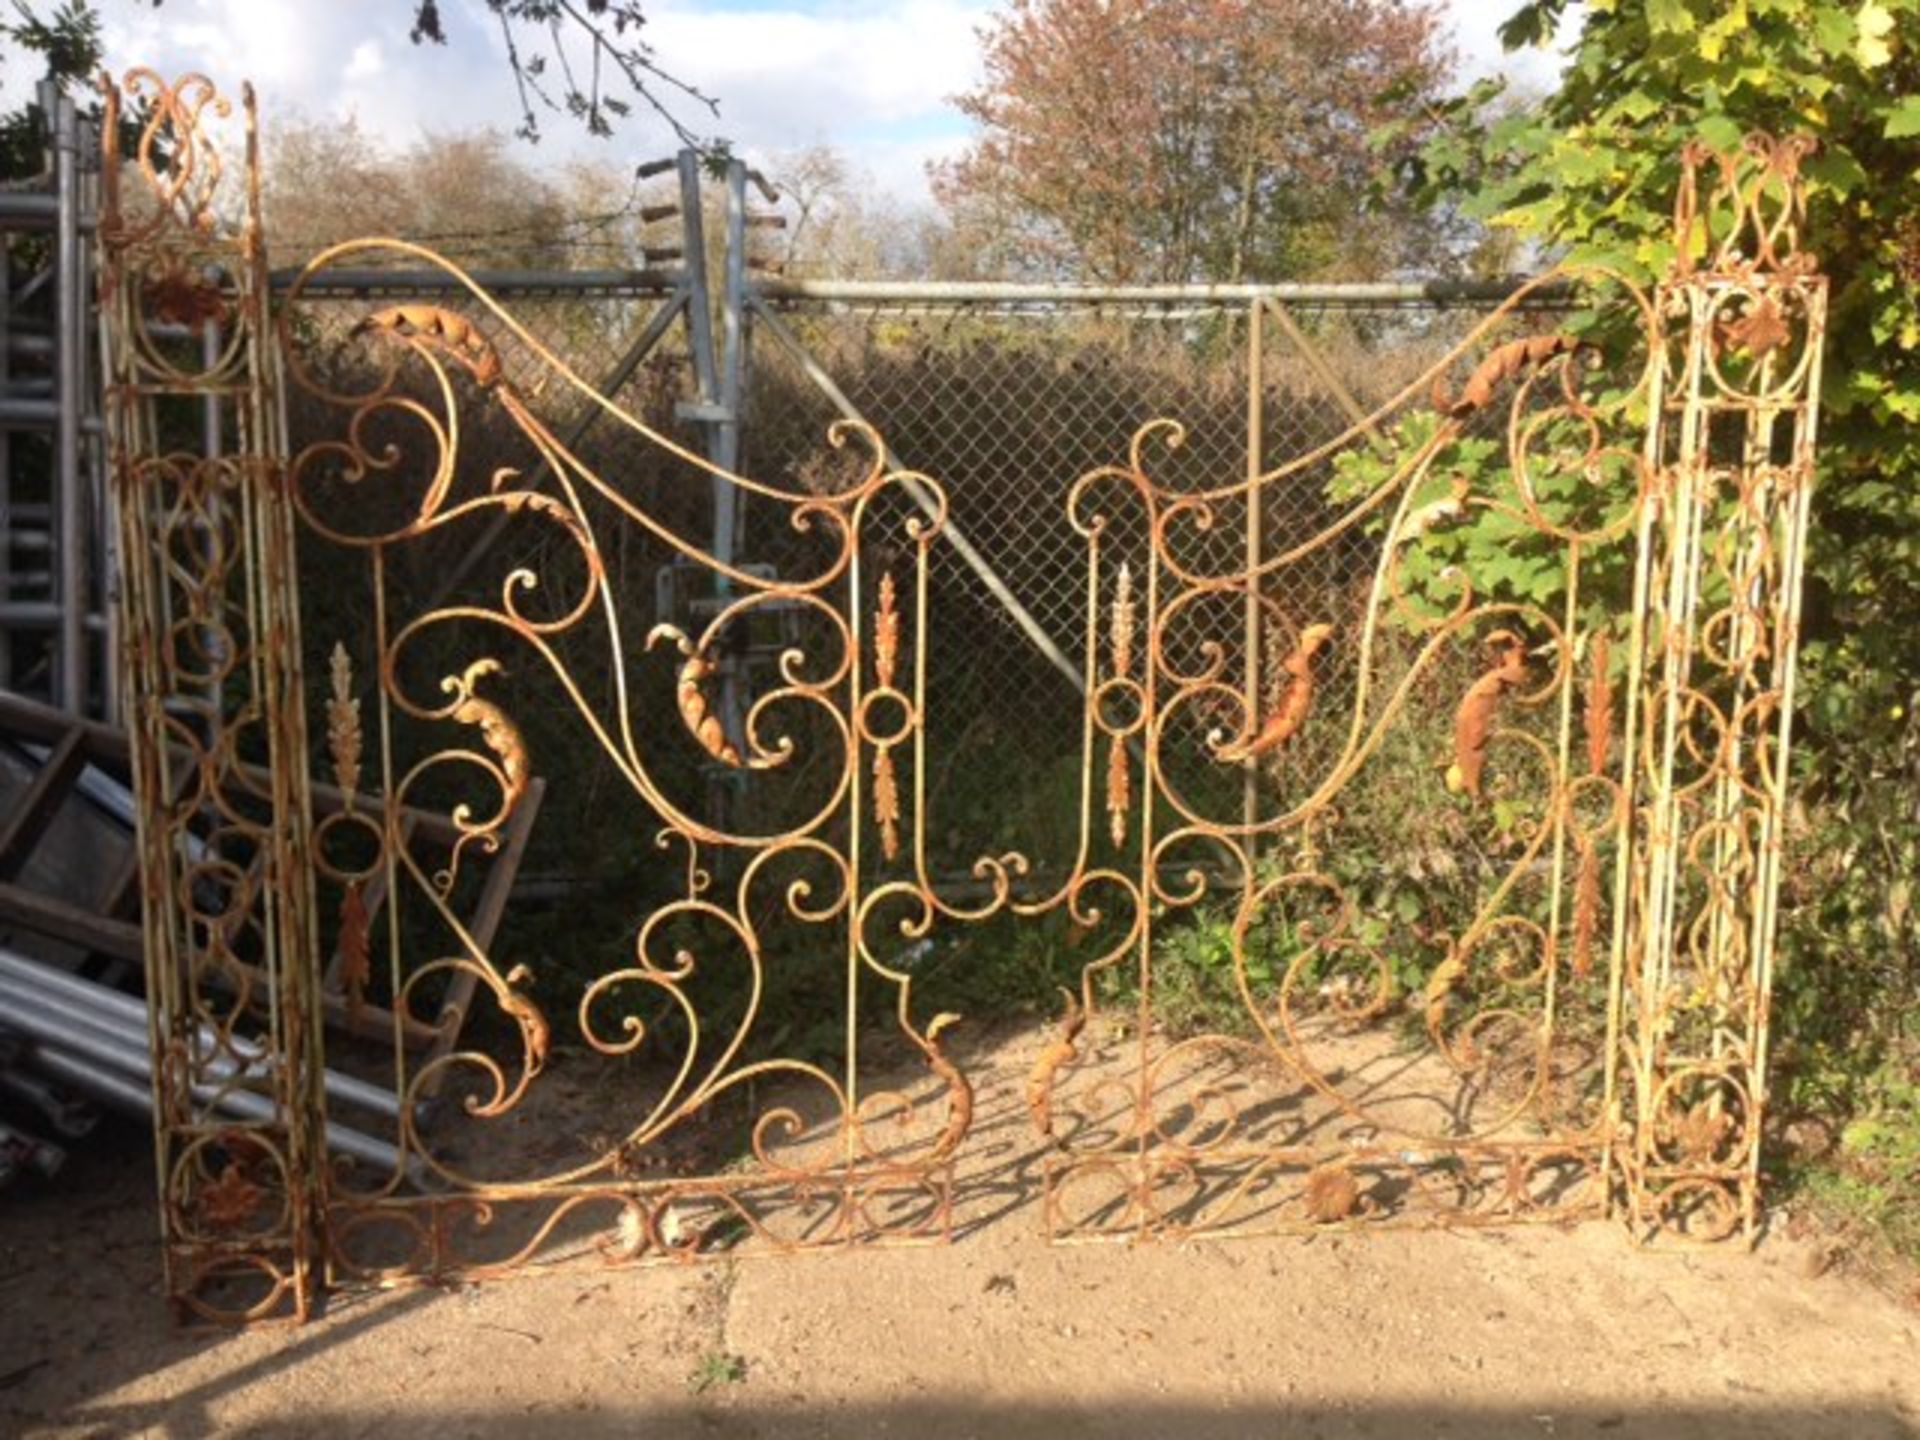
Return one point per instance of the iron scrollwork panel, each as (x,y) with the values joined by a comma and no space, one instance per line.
(214,700)
(1743,321)
(1349,1065)
(1485,843)
(1591,694)
(663,709)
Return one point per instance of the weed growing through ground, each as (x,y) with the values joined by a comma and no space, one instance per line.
(717,1368)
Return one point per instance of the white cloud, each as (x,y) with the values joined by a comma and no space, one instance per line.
(847,67)
(870,77)
(1476,29)
(365,62)
(874,80)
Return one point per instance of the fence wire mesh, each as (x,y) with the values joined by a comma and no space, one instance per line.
(1006,406)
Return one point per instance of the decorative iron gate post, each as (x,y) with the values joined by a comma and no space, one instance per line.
(1722,543)
(212,666)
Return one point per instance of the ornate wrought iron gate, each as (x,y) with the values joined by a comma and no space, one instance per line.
(1576,647)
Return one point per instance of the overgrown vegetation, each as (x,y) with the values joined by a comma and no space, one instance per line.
(1588,174)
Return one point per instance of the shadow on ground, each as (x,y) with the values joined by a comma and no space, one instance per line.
(957,1418)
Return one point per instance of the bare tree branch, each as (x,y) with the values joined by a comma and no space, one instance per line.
(537,33)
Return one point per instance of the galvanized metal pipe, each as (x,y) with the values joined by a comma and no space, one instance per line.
(39,614)
(40,1015)
(108,1087)
(345,283)
(724,431)
(987,293)
(26,980)
(33,210)
(136,1098)
(108,1071)
(31,414)
(70,659)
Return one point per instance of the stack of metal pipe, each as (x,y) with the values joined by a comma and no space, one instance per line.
(69,1046)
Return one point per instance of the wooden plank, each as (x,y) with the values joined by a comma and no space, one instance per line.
(22,829)
(375,1022)
(114,930)
(368,1022)
(110,748)
(59,920)
(484,924)
(33,721)
(492,905)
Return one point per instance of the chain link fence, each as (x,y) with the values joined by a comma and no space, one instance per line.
(1007,407)
(1006,404)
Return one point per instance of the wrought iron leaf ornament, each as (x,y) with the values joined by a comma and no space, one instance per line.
(440,329)
(497,729)
(886,663)
(231,1201)
(178,297)
(1761,330)
(886,634)
(344,737)
(1119,763)
(1599,711)
(697,711)
(1296,700)
(1505,363)
(1060,1053)
(1480,707)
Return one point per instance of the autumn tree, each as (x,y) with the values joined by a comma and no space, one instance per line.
(1173,140)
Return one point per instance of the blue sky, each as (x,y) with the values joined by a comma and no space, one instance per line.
(871,77)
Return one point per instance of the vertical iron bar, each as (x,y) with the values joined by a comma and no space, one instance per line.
(1629,868)
(726,446)
(1797,505)
(103,558)
(1256,453)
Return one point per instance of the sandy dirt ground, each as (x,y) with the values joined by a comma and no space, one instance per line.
(1539,1331)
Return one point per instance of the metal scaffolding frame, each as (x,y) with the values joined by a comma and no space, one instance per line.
(56,609)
